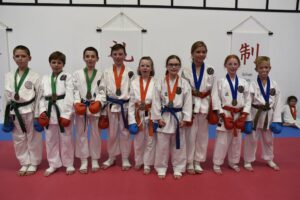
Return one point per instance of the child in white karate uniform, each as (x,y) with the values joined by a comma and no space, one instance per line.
(289,113)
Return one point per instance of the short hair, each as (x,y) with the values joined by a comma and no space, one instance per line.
(198,44)
(290,98)
(152,73)
(57,55)
(232,56)
(261,59)
(22,47)
(91,49)
(117,47)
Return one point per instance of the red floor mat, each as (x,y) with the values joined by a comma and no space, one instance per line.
(263,184)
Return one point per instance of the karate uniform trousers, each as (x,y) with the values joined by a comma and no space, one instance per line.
(226,142)
(166,135)
(59,145)
(28,146)
(274,115)
(84,147)
(197,134)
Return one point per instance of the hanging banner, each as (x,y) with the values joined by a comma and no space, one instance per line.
(4,68)
(248,46)
(133,44)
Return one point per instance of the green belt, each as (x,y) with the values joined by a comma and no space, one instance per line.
(260,109)
(15,106)
(52,102)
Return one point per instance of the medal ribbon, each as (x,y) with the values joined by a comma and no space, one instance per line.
(18,85)
(235,89)
(266,95)
(142,90)
(53,83)
(118,79)
(293,111)
(171,95)
(198,81)
(89,80)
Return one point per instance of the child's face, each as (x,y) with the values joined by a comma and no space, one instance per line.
(232,65)
(21,58)
(173,66)
(118,57)
(57,66)
(199,55)
(292,102)
(90,58)
(263,69)
(145,68)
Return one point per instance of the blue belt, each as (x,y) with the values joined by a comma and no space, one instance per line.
(173,112)
(121,103)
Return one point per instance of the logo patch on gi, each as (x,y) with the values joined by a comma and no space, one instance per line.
(178,90)
(241,89)
(63,77)
(130,74)
(272,91)
(210,71)
(28,85)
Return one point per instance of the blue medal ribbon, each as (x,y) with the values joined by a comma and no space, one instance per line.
(266,94)
(235,89)
(199,80)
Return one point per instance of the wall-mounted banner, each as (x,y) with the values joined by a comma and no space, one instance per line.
(4,68)
(248,46)
(133,44)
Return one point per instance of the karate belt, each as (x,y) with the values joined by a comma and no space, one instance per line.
(121,103)
(87,103)
(233,111)
(52,102)
(15,106)
(202,95)
(146,108)
(173,112)
(260,109)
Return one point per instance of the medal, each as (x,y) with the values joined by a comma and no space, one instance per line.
(142,106)
(17,97)
(54,97)
(118,92)
(88,95)
(178,90)
(234,102)
(170,104)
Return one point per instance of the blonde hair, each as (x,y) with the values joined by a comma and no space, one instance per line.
(261,59)
(198,44)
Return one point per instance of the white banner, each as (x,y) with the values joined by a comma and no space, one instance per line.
(4,67)
(248,46)
(133,44)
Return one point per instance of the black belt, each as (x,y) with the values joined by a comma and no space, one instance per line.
(52,102)
(15,106)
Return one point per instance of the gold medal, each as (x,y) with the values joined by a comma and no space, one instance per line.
(142,106)
(17,97)
(118,92)
(234,102)
(54,97)
(88,96)
(170,104)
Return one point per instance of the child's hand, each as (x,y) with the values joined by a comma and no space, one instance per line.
(161,123)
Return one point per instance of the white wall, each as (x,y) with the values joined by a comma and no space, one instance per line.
(170,31)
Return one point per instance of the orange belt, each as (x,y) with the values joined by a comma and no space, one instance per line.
(232,111)
(202,95)
(146,108)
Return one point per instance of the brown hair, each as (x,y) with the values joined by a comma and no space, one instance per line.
(152,73)
(117,47)
(22,47)
(198,44)
(232,56)
(91,49)
(57,55)
(171,57)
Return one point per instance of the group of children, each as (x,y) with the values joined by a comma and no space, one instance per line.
(169,116)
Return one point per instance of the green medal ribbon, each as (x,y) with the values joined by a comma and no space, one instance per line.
(18,85)
(89,80)
(53,83)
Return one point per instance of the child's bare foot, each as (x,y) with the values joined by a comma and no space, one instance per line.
(70,170)
(108,163)
(84,166)
(22,171)
(177,175)
(162,175)
(190,168)
(248,167)
(126,164)
(31,170)
(273,165)
(49,171)
(198,168)
(95,165)
(217,169)
(147,170)
(235,167)
(137,167)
